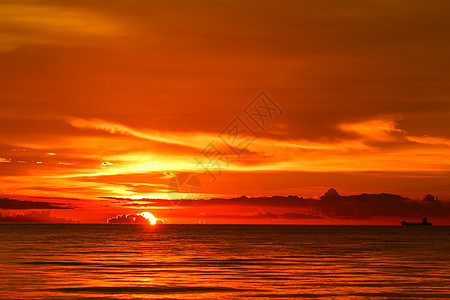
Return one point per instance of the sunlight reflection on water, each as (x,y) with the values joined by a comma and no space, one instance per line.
(66,261)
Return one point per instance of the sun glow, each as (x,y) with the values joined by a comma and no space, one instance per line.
(151,218)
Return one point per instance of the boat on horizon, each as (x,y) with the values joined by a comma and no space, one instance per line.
(424,222)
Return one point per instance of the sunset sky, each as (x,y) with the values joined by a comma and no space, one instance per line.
(102,103)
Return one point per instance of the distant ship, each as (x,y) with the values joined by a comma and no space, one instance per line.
(424,222)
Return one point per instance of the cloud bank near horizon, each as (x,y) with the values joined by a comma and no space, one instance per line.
(330,205)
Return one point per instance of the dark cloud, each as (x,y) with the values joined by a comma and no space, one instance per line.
(128,219)
(135,204)
(57,198)
(366,206)
(274,201)
(331,204)
(268,215)
(35,217)
(6,203)
(432,201)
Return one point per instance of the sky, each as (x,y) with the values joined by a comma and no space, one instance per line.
(103,104)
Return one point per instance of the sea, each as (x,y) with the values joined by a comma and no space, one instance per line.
(118,261)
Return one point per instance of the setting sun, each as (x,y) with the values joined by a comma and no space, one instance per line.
(151,218)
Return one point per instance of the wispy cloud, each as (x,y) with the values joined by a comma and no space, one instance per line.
(189,139)
(429,140)
(38,24)
(129,153)
(24,204)
(380,129)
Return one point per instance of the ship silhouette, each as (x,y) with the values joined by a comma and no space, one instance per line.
(424,222)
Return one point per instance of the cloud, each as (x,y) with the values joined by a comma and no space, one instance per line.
(330,205)
(274,201)
(35,217)
(429,140)
(133,218)
(152,135)
(6,203)
(380,129)
(366,206)
(80,155)
(265,215)
(39,24)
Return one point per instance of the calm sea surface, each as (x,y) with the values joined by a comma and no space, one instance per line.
(73,261)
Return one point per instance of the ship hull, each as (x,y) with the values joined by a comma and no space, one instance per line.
(417,224)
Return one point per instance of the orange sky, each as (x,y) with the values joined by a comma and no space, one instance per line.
(105,101)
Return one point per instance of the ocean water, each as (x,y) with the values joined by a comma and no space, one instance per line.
(106,261)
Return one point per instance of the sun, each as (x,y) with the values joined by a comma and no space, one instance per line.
(149,217)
